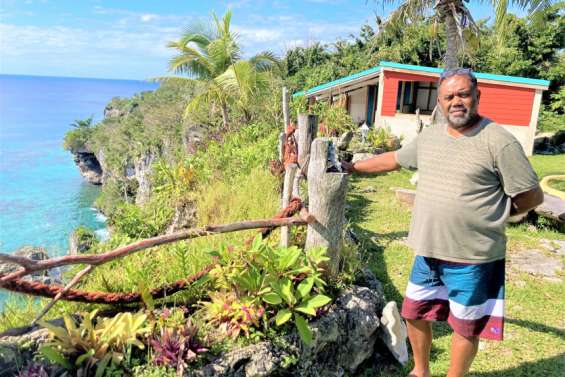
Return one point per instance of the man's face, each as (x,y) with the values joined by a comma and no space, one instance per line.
(458,101)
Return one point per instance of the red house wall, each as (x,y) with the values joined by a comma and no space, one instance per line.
(506,104)
(390,89)
(503,104)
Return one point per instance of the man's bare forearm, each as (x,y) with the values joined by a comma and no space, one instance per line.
(380,164)
(526,201)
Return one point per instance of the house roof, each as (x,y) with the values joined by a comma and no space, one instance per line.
(543,84)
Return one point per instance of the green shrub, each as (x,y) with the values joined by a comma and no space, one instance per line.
(257,286)
(95,343)
(77,138)
(550,121)
(382,137)
(141,222)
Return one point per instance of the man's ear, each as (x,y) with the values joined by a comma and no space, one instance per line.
(478,95)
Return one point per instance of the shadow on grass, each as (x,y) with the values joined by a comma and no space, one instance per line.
(538,327)
(550,367)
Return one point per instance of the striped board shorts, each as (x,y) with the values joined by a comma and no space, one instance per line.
(469,296)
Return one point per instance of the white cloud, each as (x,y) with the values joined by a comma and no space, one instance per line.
(125,39)
(148,17)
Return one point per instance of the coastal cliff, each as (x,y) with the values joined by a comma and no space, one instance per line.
(121,153)
(89,166)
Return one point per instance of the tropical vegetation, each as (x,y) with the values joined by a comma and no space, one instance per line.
(203,141)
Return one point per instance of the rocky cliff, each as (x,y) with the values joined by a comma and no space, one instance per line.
(89,166)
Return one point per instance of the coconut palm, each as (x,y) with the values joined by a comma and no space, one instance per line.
(212,57)
(457,19)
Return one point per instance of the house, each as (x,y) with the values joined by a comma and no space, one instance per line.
(397,95)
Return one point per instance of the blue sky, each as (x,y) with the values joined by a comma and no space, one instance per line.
(127,39)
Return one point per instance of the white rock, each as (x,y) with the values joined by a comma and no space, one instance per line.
(394,332)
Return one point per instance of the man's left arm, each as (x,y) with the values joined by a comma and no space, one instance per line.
(518,178)
(526,201)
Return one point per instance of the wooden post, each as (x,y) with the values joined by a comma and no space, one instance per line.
(289,175)
(307,131)
(286,116)
(281,147)
(326,196)
(285,107)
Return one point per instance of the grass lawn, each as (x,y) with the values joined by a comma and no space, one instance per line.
(534,342)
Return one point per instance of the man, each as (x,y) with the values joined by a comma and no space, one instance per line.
(473,174)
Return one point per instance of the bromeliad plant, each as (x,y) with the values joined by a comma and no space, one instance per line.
(261,284)
(102,343)
(229,315)
(177,347)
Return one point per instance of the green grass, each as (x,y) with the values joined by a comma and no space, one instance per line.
(548,165)
(534,342)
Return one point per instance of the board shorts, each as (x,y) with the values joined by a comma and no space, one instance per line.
(469,296)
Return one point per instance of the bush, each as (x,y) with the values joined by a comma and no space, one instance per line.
(75,140)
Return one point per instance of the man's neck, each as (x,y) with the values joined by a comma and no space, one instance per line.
(458,132)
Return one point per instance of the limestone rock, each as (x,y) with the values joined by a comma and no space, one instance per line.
(18,346)
(394,332)
(80,241)
(558,138)
(261,359)
(344,140)
(184,217)
(89,166)
(142,173)
(550,142)
(194,136)
(35,253)
(343,338)
(117,109)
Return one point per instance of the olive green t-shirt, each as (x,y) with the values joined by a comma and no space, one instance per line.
(464,188)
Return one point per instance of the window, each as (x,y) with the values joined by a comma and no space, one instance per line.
(416,95)
(426,96)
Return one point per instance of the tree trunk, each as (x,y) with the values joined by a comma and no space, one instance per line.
(452,35)
(326,196)
(306,133)
(225,116)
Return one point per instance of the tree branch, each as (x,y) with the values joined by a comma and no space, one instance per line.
(97,259)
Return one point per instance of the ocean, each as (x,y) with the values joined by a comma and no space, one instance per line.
(42,195)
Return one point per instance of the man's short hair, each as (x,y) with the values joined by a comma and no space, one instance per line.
(459,72)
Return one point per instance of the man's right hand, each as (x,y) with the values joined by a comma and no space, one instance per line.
(347,167)
(380,164)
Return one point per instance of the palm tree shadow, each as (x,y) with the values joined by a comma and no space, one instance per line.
(538,327)
(550,367)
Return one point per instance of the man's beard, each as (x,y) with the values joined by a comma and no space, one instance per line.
(465,121)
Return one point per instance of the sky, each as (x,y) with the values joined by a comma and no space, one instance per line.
(126,39)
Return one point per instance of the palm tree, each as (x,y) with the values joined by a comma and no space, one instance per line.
(457,18)
(82,124)
(212,56)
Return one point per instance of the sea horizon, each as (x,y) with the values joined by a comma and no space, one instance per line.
(72,77)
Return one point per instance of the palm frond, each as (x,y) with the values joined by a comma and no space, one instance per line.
(192,63)
(266,61)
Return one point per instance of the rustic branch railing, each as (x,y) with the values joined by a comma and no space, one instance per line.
(14,282)
(30,266)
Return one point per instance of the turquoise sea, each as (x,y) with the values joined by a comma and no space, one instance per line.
(42,195)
